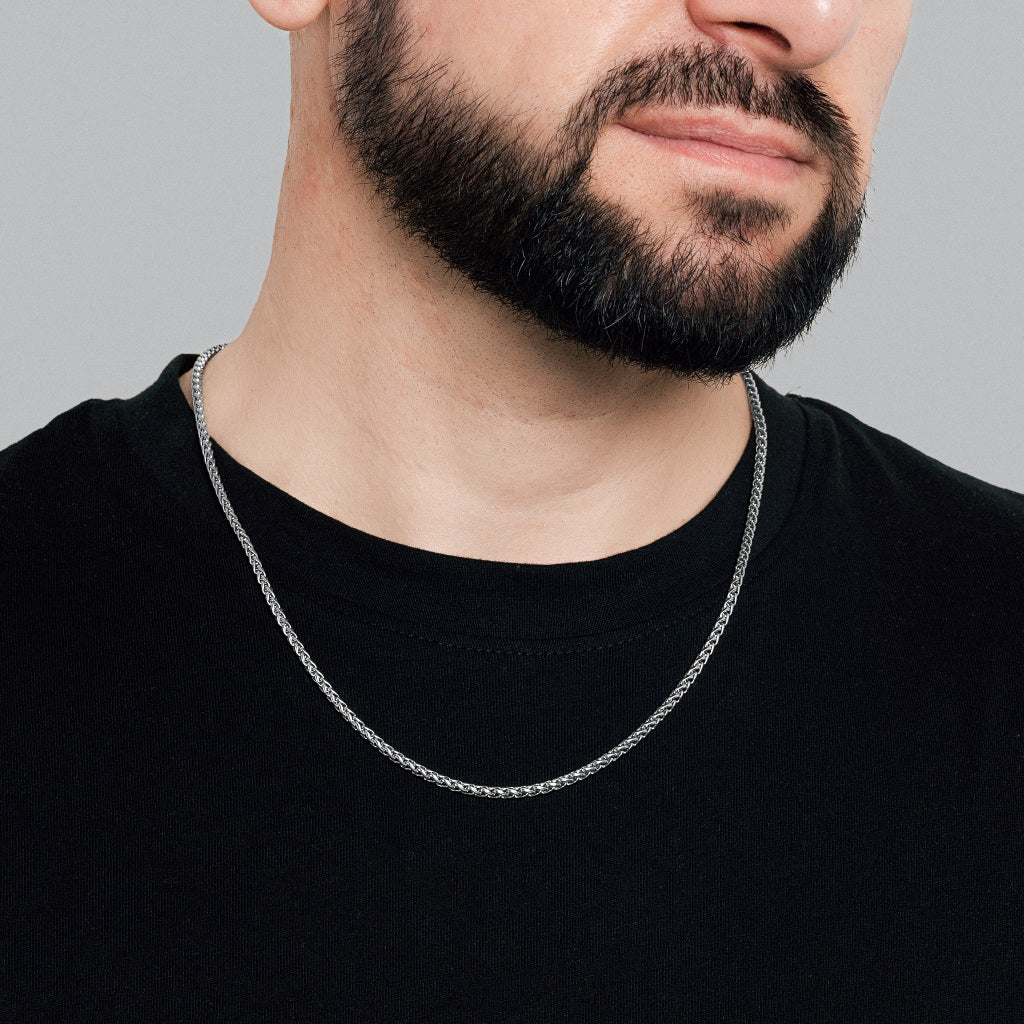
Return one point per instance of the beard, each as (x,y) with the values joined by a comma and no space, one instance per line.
(518,220)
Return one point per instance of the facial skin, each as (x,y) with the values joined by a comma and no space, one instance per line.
(712,273)
(527,358)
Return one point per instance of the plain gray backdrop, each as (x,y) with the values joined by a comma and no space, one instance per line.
(141,153)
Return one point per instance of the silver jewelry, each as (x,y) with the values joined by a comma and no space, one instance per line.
(472,789)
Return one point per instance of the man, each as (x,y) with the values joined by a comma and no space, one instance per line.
(662,696)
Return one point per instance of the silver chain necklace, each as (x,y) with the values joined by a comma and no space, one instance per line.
(469,788)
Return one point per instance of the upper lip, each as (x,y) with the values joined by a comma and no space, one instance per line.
(735,131)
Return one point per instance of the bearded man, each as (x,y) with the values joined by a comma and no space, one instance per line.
(475,637)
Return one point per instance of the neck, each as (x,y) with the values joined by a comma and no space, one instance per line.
(380,388)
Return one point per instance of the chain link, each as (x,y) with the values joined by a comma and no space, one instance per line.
(445,781)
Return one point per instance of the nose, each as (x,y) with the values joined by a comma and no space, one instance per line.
(786,35)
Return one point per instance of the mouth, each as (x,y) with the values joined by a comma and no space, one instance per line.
(752,147)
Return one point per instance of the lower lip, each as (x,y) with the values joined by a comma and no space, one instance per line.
(733,161)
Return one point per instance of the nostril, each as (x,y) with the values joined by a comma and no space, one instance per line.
(769,33)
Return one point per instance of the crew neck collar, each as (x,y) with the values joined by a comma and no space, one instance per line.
(308,552)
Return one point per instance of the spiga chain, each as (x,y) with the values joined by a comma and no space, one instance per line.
(470,788)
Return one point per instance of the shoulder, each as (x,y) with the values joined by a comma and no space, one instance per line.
(938,537)
(881,473)
(68,501)
(97,464)
(85,487)
(57,467)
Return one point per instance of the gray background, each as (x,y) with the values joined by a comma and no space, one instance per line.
(142,146)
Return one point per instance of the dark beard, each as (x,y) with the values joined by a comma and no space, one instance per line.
(521,224)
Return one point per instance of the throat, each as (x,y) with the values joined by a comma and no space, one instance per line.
(474,471)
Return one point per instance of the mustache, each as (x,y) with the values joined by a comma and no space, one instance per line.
(703,76)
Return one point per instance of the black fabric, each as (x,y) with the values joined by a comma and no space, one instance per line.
(827,827)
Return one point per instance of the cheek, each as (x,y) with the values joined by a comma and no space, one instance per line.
(531,58)
(858,80)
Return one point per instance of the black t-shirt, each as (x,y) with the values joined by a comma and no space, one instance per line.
(826,827)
